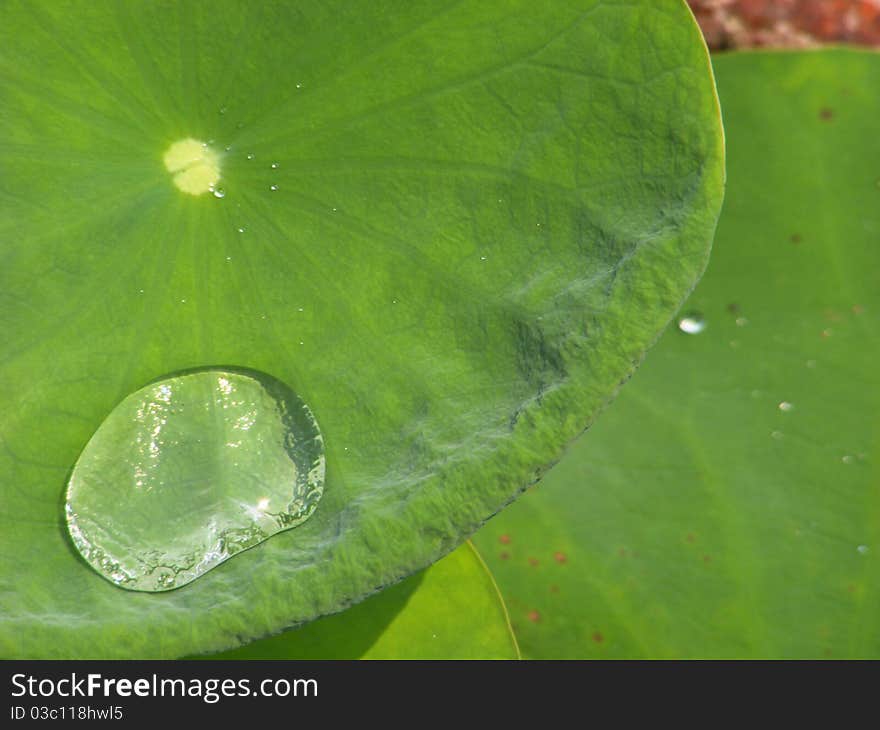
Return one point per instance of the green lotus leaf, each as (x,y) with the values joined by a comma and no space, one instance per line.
(452,229)
(452,610)
(726,505)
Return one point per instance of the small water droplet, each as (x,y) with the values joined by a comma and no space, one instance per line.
(273,187)
(847,459)
(221,110)
(483,258)
(299,86)
(692,324)
(778,435)
(190,470)
(741,321)
(274,165)
(219,192)
(250,155)
(229,258)
(863,549)
(786,407)
(241,229)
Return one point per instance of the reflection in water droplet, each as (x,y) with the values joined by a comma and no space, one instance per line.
(741,321)
(190,470)
(692,324)
(786,407)
(863,549)
(241,229)
(273,187)
(218,192)
(274,165)
(847,459)
(250,156)
(778,435)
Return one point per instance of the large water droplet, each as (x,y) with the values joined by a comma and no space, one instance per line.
(692,324)
(190,470)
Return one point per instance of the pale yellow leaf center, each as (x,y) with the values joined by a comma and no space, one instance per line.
(194,165)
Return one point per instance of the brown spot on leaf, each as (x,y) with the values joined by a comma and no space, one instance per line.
(504,539)
(690,537)
(554,589)
(533,562)
(857,309)
(707,558)
(733,308)
(597,637)
(504,555)
(826,114)
(560,557)
(534,616)
(795,238)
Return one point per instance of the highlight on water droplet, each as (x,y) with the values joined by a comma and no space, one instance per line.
(692,324)
(863,549)
(190,470)
(786,407)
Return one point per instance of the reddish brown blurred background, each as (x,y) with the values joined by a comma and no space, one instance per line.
(787,23)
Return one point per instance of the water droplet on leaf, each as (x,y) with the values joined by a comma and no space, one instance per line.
(692,324)
(189,471)
(863,549)
(786,407)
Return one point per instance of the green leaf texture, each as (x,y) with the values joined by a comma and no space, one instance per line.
(452,228)
(727,503)
(452,610)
